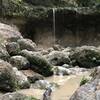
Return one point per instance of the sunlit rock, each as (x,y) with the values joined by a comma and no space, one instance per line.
(20,62)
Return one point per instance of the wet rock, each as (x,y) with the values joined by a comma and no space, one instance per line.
(86,56)
(13,48)
(20,62)
(58,58)
(10,78)
(27,44)
(62,71)
(38,62)
(8,33)
(16,96)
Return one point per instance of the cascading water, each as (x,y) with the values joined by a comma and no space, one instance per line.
(54,24)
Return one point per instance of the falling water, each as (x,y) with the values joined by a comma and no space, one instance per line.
(54,24)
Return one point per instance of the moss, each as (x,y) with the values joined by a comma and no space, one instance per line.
(86,58)
(38,63)
(8,82)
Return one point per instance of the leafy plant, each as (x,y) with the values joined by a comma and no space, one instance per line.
(84,80)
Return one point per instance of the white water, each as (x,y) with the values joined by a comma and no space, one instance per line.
(54,24)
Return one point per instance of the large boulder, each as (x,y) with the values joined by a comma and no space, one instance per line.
(8,33)
(27,44)
(20,62)
(10,78)
(86,56)
(58,58)
(38,62)
(13,48)
(91,89)
(16,96)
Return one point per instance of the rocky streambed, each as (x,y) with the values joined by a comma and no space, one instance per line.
(26,70)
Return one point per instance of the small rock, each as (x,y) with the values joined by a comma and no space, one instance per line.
(61,71)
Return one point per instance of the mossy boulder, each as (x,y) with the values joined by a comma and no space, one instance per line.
(38,62)
(11,79)
(58,58)
(13,48)
(27,44)
(85,57)
(20,62)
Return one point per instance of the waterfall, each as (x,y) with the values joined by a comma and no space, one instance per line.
(54,24)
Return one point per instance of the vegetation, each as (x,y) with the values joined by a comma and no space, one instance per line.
(8,82)
(83,81)
(85,3)
(30,98)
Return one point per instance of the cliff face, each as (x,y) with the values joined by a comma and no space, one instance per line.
(73,25)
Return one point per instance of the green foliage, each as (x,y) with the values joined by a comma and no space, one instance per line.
(83,81)
(85,3)
(8,82)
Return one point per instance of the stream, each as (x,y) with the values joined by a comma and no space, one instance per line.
(67,86)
